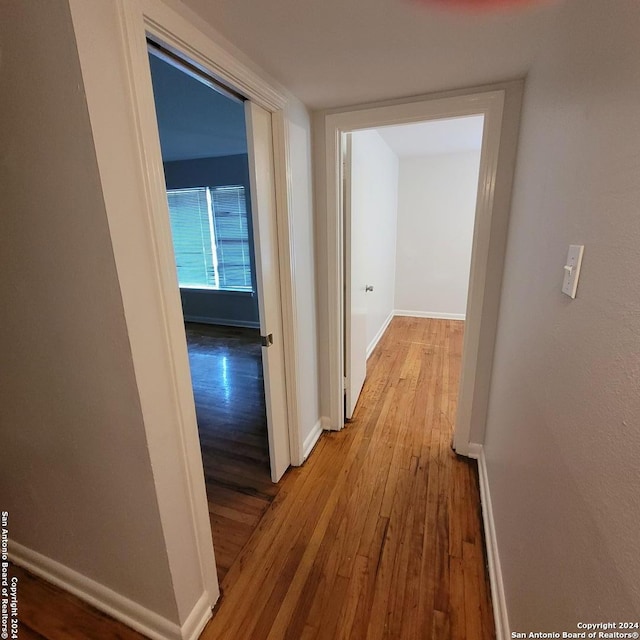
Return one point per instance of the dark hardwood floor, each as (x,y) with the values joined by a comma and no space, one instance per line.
(46,612)
(228,388)
(377,536)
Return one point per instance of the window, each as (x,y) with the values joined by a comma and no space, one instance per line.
(211,237)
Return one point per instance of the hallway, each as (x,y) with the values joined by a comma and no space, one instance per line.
(378,535)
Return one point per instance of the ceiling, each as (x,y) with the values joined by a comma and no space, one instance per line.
(194,121)
(332,53)
(434,137)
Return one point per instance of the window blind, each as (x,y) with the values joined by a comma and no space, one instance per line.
(232,237)
(211,237)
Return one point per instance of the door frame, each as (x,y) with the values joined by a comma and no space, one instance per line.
(140,19)
(263,212)
(345,181)
(500,105)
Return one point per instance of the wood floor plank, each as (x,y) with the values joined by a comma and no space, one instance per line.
(356,587)
(25,633)
(441,625)
(362,616)
(473,610)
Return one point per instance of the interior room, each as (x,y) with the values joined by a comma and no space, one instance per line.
(413,193)
(204,152)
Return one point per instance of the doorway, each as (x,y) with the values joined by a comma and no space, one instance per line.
(204,151)
(220,221)
(500,105)
(410,195)
(112,47)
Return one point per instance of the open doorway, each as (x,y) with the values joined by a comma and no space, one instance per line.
(203,130)
(409,204)
(500,107)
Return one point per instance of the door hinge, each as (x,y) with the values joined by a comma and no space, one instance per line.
(267,341)
(344,383)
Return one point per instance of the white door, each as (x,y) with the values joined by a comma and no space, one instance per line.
(263,215)
(355,299)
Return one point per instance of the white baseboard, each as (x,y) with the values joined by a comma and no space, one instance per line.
(247,324)
(325,421)
(131,613)
(198,618)
(311,440)
(473,451)
(495,572)
(436,315)
(376,339)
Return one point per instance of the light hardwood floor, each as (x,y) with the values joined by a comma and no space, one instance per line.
(377,536)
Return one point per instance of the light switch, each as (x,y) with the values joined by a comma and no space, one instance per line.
(572,270)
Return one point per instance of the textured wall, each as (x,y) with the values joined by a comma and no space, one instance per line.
(563,432)
(75,474)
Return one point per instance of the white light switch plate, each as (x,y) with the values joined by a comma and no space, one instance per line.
(572,270)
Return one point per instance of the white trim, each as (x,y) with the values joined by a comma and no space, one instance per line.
(136,19)
(311,440)
(286,257)
(475,450)
(500,612)
(489,241)
(183,39)
(376,339)
(198,618)
(436,315)
(113,604)
(177,471)
(325,421)
(129,183)
(225,322)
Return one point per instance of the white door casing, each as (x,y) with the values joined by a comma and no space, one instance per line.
(500,104)
(111,40)
(265,233)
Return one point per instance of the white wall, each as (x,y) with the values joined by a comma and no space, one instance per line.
(75,475)
(374,199)
(563,429)
(436,211)
(305,269)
